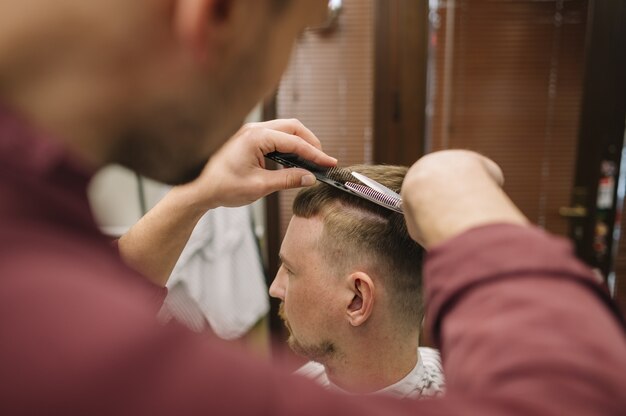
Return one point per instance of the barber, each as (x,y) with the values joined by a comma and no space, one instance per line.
(159,86)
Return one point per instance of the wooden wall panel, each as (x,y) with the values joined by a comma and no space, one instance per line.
(514,92)
(400,80)
(329,87)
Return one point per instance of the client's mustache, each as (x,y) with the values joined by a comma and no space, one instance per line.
(283,316)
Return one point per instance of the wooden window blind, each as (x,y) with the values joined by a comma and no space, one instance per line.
(328,86)
(507,82)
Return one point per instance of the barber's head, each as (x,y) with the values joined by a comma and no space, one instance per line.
(349,269)
(165,81)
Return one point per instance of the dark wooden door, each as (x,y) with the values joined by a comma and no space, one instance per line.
(600,171)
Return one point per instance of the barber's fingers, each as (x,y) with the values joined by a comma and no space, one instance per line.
(450,163)
(294,127)
(274,140)
(493,169)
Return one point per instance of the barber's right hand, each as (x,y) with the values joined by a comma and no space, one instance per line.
(236,174)
(448,192)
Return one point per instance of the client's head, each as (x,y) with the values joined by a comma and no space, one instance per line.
(350,273)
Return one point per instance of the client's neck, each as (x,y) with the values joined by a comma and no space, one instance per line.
(373,361)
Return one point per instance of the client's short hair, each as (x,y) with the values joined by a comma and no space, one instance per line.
(358,230)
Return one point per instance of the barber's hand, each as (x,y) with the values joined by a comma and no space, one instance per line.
(446,193)
(236,174)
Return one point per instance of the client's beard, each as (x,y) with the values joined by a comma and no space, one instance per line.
(316,352)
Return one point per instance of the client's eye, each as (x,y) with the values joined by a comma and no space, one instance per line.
(286,269)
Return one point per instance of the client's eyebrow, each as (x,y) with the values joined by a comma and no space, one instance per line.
(281,256)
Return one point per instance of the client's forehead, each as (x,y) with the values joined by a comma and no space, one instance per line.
(302,240)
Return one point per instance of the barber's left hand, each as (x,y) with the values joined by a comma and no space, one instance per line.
(236,174)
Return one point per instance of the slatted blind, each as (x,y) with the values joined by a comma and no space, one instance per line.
(507,81)
(328,86)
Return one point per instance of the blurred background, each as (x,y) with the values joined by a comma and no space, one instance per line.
(537,85)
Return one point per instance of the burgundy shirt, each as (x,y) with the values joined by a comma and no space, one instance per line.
(522,326)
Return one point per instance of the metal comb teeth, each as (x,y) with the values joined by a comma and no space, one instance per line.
(379,198)
(342,175)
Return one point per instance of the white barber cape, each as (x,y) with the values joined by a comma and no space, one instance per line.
(426,378)
(219,278)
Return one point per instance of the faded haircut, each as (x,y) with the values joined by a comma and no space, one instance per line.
(358,230)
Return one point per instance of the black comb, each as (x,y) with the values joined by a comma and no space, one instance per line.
(339,178)
(336,177)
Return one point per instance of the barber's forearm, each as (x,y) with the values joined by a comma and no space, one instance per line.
(154,244)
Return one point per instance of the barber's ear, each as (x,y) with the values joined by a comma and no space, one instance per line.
(362,303)
(194,20)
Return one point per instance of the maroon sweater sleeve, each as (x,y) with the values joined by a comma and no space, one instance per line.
(518,318)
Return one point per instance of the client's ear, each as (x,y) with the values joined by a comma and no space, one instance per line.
(362,303)
(196,21)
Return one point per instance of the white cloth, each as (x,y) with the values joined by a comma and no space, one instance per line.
(426,378)
(220,271)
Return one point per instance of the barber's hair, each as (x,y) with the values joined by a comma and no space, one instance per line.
(358,230)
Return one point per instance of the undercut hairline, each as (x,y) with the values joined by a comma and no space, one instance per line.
(325,243)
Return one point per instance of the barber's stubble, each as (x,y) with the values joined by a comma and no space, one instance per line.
(173,141)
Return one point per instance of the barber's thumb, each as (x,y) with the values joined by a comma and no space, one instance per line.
(294,178)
